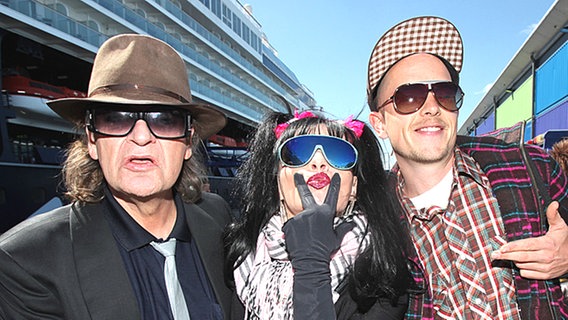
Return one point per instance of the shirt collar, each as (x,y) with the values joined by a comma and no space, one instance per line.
(464,165)
(130,235)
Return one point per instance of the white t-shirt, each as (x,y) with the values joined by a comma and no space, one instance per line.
(438,196)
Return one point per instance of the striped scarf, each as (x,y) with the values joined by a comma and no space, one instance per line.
(265,278)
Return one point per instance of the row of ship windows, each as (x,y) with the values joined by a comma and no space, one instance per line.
(234,22)
(219,9)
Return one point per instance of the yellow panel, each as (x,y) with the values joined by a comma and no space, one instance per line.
(517,107)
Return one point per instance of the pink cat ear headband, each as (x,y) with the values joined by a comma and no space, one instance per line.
(355,125)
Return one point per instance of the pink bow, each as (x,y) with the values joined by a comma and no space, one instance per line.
(281,127)
(355,125)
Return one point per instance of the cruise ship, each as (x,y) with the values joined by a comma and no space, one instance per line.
(47,49)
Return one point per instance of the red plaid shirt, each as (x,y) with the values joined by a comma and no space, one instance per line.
(463,282)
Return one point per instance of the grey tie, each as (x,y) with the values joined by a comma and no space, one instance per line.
(175,293)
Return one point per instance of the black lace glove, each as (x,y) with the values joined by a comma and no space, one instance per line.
(310,242)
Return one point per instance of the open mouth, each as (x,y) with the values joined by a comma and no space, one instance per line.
(140,162)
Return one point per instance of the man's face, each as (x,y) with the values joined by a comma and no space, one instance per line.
(427,135)
(139,165)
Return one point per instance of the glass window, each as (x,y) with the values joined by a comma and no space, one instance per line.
(255,42)
(246,33)
(227,15)
(236,24)
(216,7)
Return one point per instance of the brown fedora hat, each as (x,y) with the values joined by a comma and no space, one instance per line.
(133,69)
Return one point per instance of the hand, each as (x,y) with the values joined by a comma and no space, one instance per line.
(311,233)
(544,257)
(310,242)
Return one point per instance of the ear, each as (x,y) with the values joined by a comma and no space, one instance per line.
(91,145)
(188,152)
(280,195)
(354,188)
(283,205)
(188,147)
(377,120)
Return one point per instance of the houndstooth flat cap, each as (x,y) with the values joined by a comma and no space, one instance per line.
(420,34)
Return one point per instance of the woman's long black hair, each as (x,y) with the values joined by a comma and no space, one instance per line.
(381,270)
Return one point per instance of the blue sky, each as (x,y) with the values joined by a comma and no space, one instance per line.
(327,43)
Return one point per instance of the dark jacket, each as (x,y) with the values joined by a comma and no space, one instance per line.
(346,309)
(65,264)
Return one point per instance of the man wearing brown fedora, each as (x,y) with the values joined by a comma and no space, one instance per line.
(140,240)
(484,245)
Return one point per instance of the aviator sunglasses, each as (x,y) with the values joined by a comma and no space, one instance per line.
(298,151)
(409,98)
(164,124)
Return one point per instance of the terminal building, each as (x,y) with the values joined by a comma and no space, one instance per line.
(533,87)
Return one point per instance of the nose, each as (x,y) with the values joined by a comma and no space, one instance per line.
(318,162)
(141,133)
(431,105)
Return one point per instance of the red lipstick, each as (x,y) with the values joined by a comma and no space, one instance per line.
(319,180)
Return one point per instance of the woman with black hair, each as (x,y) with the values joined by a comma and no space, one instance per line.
(319,236)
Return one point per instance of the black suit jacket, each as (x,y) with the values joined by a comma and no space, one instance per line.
(65,264)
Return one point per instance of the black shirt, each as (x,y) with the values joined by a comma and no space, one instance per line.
(145,266)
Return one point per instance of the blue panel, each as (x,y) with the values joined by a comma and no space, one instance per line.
(556,118)
(528,130)
(551,81)
(553,136)
(487,126)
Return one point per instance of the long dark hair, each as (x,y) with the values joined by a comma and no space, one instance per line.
(379,271)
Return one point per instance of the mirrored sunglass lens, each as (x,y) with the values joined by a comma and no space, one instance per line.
(409,98)
(340,155)
(448,95)
(295,153)
(299,150)
(167,123)
(114,122)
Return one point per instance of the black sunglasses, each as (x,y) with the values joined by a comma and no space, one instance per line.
(409,98)
(164,124)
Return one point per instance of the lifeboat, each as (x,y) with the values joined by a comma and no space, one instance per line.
(223,140)
(17,84)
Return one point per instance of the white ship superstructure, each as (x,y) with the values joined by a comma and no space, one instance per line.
(231,64)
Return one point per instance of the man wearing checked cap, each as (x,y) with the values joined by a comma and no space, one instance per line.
(482,246)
